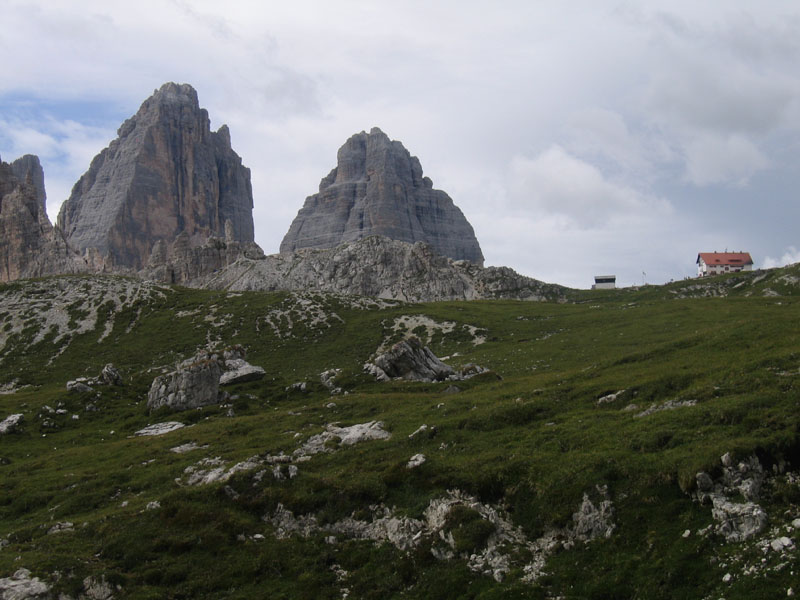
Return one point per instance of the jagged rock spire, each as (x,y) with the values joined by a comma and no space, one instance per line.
(167,173)
(377,188)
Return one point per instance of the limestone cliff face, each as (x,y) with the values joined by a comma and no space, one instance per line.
(381,268)
(28,168)
(166,174)
(377,188)
(29,245)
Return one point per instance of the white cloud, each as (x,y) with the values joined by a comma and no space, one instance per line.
(791,256)
(604,134)
(64,147)
(592,127)
(557,183)
(726,159)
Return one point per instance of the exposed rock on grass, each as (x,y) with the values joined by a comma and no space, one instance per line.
(11,423)
(668,405)
(334,436)
(195,383)
(68,307)
(458,526)
(736,521)
(328,379)
(590,521)
(188,447)
(160,428)
(212,470)
(21,586)
(410,360)
(416,461)
(240,371)
(610,397)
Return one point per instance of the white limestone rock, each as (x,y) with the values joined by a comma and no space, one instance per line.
(240,371)
(11,423)
(193,384)
(416,461)
(334,437)
(160,428)
(21,586)
(410,360)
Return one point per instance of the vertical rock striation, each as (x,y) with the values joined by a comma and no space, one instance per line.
(29,245)
(166,174)
(28,168)
(377,188)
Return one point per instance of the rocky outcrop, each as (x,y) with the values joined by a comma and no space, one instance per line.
(11,423)
(377,188)
(380,268)
(29,245)
(21,586)
(458,525)
(181,262)
(240,371)
(196,381)
(193,384)
(736,520)
(410,360)
(109,375)
(334,437)
(167,173)
(160,428)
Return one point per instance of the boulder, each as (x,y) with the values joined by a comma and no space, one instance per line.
(80,385)
(110,375)
(21,586)
(194,384)
(335,436)
(410,360)
(377,188)
(738,521)
(11,423)
(238,370)
(416,461)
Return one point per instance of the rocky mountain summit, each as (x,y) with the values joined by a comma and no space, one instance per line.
(166,174)
(170,201)
(377,188)
(29,245)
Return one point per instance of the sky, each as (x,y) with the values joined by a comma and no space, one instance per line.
(579,138)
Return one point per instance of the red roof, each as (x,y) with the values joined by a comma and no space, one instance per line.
(734,259)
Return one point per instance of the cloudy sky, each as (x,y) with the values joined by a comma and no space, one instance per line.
(579,138)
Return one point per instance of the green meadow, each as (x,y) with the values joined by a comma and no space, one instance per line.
(715,365)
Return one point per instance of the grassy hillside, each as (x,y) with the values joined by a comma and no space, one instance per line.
(616,396)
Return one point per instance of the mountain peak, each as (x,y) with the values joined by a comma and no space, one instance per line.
(166,174)
(377,188)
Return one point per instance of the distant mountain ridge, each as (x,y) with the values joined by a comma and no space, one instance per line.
(170,201)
